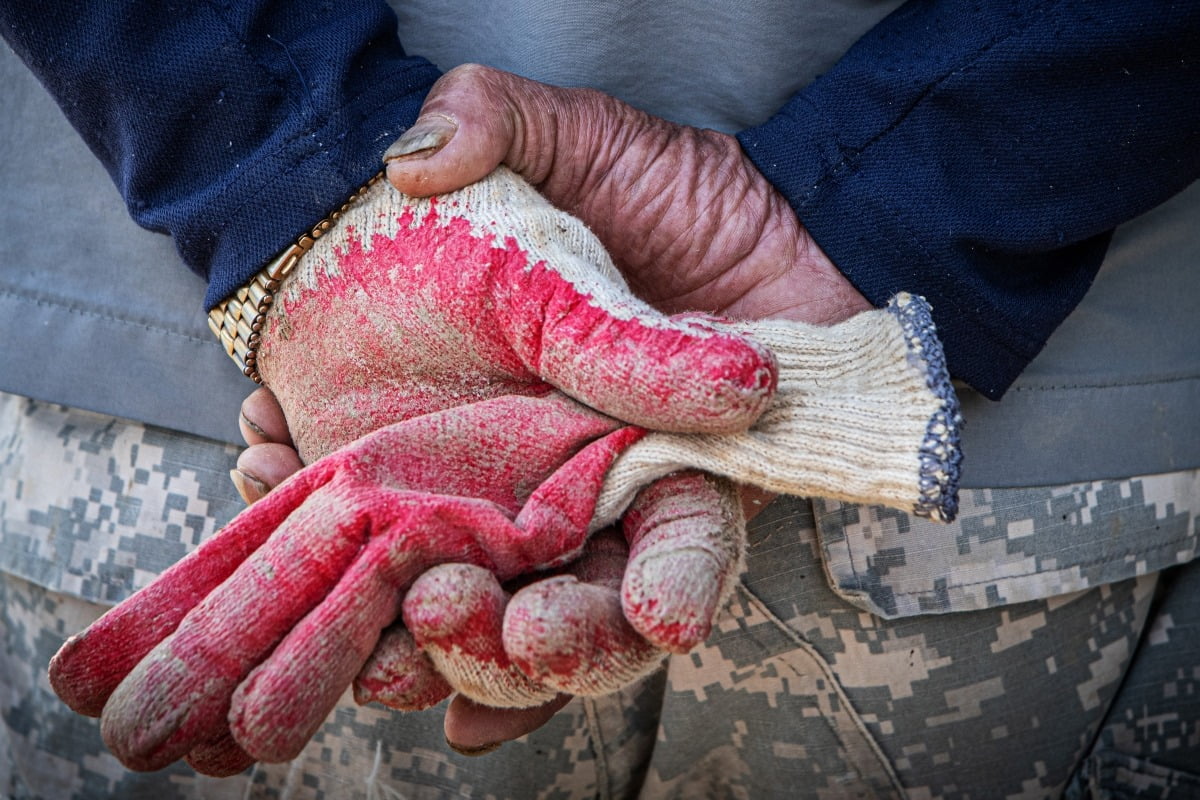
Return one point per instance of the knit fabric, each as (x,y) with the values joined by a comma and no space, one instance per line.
(865,413)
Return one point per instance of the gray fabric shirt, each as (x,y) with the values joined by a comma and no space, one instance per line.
(99,314)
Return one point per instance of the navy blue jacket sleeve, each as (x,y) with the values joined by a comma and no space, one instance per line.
(981,153)
(232,126)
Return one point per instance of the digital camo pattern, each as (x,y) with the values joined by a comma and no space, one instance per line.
(797,694)
(1010,545)
(1150,741)
(1000,702)
(96,507)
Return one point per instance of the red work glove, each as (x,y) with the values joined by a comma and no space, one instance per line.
(685,215)
(865,413)
(412,306)
(247,643)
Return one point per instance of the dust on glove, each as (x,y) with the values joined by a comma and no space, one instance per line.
(865,412)
(443,314)
(442,321)
(260,630)
(410,306)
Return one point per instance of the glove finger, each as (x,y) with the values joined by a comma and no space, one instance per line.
(178,696)
(90,665)
(456,615)
(568,632)
(284,700)
(282,703)
(686,535)
(555,520)
(599,343)
(400,675)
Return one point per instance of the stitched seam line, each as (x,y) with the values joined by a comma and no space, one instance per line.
(929,90)
(1000,333)
(1114,385)
(808,648)
(603,778)
(47,302)
(1192,537)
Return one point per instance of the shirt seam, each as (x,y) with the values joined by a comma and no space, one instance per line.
(1113,385)
(71,308)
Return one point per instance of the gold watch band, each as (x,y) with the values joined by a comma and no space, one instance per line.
(237,321)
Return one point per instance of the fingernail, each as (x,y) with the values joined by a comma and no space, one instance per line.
(481,750)
(248,486)
(252,426)
(426,136)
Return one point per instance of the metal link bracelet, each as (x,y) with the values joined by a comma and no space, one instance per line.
(237,320)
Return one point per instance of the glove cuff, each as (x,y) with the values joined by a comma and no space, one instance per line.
(865,413)
(941,449)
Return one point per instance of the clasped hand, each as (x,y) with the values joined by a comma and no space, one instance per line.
(482,353)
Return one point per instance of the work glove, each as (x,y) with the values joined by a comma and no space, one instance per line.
(179,699)
(412,306)
(260,630)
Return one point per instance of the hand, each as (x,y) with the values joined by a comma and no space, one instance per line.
(865,413)
(686,217)
(407,307)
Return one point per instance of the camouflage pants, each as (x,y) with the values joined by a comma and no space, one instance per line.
(1046,645)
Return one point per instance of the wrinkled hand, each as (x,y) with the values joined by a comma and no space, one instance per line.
(685,215)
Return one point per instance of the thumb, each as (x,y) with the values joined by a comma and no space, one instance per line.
(474,119)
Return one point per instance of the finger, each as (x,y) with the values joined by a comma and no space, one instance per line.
(178,696)
(400,675)
(554,522)
(466,129)
(285,699)
(754,500)
(569,632)
(261,419)
(262,467)
(565,311)
(220,757)
(90,665)
(474,729)
(686,535)
(456,615)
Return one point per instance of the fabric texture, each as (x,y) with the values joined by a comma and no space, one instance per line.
(121,500)
(864,412)
(59,298)
(278,113)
